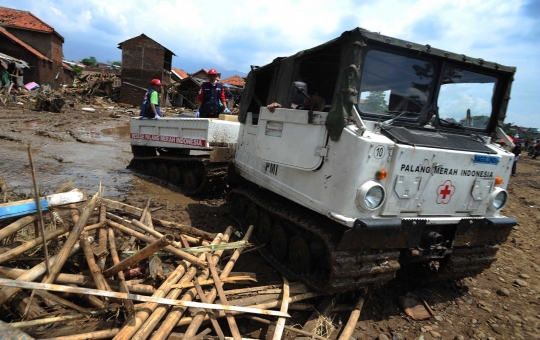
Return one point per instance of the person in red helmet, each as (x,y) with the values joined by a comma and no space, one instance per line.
(150,107)
(211,98)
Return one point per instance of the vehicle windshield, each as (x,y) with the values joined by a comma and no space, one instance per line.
(465,97)
(394,85)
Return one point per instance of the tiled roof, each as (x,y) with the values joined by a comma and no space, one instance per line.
(66,66)
(23,44)
(234,80)
(180,73)
(22,19)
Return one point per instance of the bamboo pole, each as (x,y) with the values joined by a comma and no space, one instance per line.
(135,297)
(82,280)
(353,319)
(211,282)
(297,288)
(46,321)
(7,293)
(145,211)
(153,232)
(73,237)
(289,328)
(219,287)
(184,256)
(54,299)
(101,251)
(121,279)
(267,305)
(99,280)
(133,325)
(186,229)
(38,206)
(140,255)
(104,334)
(16,226)
(29,245)
(197,320)
(160,311)
(210,313)
(115,205)
(278,331)
(202,334)
(126,223)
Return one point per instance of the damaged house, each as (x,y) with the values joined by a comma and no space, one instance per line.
(143,59)
(25,36)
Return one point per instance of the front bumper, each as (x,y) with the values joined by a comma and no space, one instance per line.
(401,233)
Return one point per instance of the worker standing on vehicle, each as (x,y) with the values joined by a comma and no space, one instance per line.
(150,107)
(211,98)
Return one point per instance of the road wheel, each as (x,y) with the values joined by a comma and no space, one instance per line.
(151,168)
(252,215)
(264,227)
(163,171)
(175,176)
(190,182)
(299,254)
(279,242)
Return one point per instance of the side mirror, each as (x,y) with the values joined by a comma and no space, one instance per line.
(298,92)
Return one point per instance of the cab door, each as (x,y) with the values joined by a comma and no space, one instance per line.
(286,138)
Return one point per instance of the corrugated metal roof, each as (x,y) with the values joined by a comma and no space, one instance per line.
(4,32)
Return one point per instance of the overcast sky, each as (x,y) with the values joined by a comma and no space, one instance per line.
(232,35)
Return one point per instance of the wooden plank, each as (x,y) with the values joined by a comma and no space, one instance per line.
(284,307)
(27,207)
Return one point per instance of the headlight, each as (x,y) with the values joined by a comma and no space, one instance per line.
(370,196)
(498,199)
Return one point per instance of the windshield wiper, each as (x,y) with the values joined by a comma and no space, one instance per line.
(401,113)
(461,127)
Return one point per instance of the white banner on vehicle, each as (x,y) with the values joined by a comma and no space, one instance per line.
(169,139)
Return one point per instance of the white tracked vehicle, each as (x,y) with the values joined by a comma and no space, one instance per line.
(190,153)
(401,171)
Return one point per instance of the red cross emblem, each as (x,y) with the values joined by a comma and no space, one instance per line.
(445,192)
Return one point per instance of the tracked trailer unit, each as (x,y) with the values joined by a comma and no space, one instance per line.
(189,153)
(400,171)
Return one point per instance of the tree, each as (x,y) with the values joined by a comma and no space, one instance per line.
(76,71)
(89,61)
(375,102)
(117,63)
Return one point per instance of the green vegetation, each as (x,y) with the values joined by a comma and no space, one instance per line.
(90,61)
(118,63)
(76,71)
(375,103)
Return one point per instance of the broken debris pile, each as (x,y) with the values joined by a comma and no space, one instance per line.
(116,276)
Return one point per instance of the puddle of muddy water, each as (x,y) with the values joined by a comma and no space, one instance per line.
(120,131)
(158,193)
(27,126)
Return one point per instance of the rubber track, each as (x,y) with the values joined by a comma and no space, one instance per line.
(211,171)
(467,262)
(348,269)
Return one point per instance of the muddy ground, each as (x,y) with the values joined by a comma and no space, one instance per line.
(89,148)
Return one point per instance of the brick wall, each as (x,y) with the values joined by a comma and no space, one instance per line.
(142,60)
(50,45)
(39,41)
